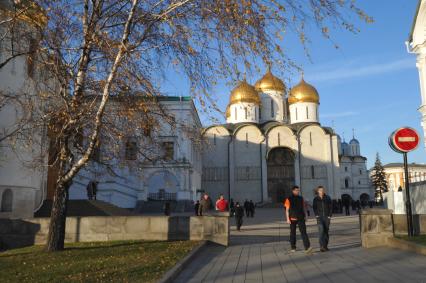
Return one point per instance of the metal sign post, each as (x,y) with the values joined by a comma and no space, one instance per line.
(403,141)
(408,199)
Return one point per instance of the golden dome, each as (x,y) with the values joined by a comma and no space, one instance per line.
(244,93)
(303,92)
(269,82)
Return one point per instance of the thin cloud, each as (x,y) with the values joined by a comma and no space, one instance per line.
(339,114)
(354,71)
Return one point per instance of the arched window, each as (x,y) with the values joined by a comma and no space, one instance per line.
(296,115)
(307,112)
(260,112)
(6,201)
(272,108)
(346,183)
(236,111)
(245,112)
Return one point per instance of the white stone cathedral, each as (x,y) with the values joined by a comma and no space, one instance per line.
(273,140)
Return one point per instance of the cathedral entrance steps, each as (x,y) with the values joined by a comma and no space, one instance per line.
(85,208)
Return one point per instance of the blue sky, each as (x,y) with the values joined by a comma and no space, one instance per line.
(370,83)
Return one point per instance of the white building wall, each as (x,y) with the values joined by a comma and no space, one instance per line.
(243,112)
(304,112)
(18,171)
(417,45)
(273,106)
(247,164)
(215,178)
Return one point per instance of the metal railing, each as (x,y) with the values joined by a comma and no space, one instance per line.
(162,196)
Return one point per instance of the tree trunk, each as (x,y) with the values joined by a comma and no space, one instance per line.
(56,236)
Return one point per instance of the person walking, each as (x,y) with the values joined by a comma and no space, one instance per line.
(92,190)
(252,207)
(232,207)
(247,208)
(221,204)
(323,210)
(205,205)
(346,202)
(239,214)
(197,207)
(296,215)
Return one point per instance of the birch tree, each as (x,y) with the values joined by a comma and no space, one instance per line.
(90,52)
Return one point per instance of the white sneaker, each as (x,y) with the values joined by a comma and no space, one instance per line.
(309,250)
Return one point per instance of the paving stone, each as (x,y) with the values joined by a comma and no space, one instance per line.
(260,253)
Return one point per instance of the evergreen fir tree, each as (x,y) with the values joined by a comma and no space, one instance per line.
(378,179)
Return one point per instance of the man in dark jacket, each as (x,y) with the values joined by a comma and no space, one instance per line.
(296,215)
(323,209)
(247,208)
(239,213)
(252,207)
(205,205)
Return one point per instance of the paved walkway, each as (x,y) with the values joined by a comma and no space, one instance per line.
(260,254)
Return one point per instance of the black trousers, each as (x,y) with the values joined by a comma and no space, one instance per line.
(323,227)
(347,210)
(239,221)
(302,229)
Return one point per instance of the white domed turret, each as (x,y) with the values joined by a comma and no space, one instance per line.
(355,147)
(345,149)
(303,103)
(243,105)
(272,93)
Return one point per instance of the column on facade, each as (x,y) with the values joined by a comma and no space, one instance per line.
(264,165)
(421,65)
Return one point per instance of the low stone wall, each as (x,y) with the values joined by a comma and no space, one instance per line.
(22,232)
(379,225)
(400,224)
(376,227)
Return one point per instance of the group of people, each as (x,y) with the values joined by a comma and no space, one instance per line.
(296,212)
(202,206)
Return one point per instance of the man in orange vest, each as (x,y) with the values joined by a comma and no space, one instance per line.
(296,215)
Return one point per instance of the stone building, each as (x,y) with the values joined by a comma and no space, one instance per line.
(22,179)
(272,141)
(395,175)
(417,44)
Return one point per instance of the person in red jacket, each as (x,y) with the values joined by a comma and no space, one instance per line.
(221,204)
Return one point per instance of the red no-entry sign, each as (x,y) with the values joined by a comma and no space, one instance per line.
(404,139)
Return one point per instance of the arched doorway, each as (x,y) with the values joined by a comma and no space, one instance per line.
(280,168)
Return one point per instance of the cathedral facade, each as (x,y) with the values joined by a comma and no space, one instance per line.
(272,141)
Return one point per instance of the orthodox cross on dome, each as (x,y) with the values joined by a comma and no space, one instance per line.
(343,135)
(353,133)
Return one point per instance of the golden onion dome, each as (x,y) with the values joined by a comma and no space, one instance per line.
(303,92)
(269,82)
(244,92)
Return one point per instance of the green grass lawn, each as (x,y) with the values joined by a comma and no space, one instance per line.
(417,239)
(120,261)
